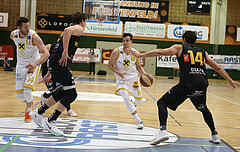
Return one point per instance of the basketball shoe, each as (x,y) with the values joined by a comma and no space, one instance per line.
(159,137)
(27,118)
(37,118)
(140,125)
(51,127)
(70,112)
(215,139)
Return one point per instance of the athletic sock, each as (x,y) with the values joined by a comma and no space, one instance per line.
(42,109)
(136,117)
(54,116)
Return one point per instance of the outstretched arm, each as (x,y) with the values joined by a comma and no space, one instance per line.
(173,50)
(221,71)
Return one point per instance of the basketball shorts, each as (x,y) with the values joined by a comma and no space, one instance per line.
(132,86)
(60,75)
(178,94)
(25,78)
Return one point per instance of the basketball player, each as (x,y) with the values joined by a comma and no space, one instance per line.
(126,68)
(29,46)
(51,85)
(193,83)
(64,49)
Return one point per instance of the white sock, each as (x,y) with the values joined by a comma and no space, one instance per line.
(136,117)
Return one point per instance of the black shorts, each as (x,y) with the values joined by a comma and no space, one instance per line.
(62,75)
(178,94)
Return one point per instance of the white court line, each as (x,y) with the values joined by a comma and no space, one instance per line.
(224,99)
(79,76)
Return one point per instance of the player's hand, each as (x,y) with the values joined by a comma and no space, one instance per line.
(31,66)
(135,53)
(46,78)
(122,75)
(64,60)
(233,83)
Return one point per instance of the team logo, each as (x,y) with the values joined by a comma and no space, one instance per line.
(21,46)
(126,62)
(135,84)
(78,134)
(186,58)
(29,37)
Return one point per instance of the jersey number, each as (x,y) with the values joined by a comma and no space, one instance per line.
(197,58)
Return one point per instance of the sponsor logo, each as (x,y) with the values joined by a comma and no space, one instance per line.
(186,58)
(78,134)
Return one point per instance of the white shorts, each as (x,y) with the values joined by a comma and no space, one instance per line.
(132,86)
(25,78)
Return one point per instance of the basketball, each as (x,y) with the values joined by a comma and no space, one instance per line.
(146,80)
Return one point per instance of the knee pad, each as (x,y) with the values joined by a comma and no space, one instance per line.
(20,96)
(130,106)
(70,96)
(28,94)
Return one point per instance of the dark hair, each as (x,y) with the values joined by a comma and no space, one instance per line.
(78,17)
(128,34)
(190,37)
(6,58)
(22,20)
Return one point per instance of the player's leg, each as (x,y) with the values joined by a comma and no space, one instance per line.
(171,99)
(68,97)
(135,89)
(199,101)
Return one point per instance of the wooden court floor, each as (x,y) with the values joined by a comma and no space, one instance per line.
(222,100)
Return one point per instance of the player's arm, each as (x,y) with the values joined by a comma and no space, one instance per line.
(173,50)
(11,35)
(220,70)
(42,49)
(72,30)
(113,57)
(139,67)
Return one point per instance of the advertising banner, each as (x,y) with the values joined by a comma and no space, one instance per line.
(145,29)
(225,61)
(106,55)
(144,10)
(176,31)
(107,28)
(82,55)
(6,51)
(55,22)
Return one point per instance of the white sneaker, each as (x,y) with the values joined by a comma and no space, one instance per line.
(51,127)
(140,125)
(37,118)
(70,112)
(43,99)
(159,137)
(215,139)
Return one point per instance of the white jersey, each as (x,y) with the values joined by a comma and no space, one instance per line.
(126,64)
(26,52)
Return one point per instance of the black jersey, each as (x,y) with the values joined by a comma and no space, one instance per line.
(72,46)
(192,67)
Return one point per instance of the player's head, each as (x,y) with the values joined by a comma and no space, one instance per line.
(189,37)
(78,18)
(127,39)
(23,25)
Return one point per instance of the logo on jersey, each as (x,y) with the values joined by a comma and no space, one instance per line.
(126,62)
(21,46)
(186,58)
(135,84)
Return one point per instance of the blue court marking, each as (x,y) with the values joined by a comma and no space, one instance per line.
(156,102)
